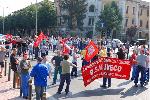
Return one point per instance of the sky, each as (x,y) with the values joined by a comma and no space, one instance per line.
(13,5)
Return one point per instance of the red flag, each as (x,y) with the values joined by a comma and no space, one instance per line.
(91,51)
(39,39)
(8,36)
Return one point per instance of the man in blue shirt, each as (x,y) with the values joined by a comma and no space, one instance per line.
(40,73)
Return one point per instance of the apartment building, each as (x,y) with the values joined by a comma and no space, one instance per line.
(134,13)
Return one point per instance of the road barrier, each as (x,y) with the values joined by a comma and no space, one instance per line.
(44,96)
(30,89)
(5,67)
(9,72)
(20,88)
(14,80)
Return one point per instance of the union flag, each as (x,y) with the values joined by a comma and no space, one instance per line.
(91,51)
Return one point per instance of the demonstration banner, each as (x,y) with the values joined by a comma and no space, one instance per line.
(106,67)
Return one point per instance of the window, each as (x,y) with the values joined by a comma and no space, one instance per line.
(133,10)
(91,21)
(127,9)
(141,23)
(133,21)
(147,26)
(141,12)
(147,12)
(126,24)
(91,8)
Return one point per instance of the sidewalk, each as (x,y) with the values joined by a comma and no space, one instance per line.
(7,92)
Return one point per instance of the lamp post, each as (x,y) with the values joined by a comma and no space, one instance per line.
(4,19)
(36,19)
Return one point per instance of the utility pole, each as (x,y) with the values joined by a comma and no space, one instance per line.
(36,20)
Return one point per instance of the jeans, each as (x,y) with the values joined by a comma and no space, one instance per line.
(24,83)
(39,92)
(64,77)
(30,53)
(146,75)
(134,72)
(140,69)
(36,52)
(105,80)
(54,48)
(74,70)
(57,69)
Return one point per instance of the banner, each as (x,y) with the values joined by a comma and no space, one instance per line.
(91,51)
(106,67)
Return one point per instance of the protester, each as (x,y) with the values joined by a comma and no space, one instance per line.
(2,58)
(40,73)
(65,74)
(25,65)
(58,58)
(47,64)
(54,43)
(104,53)
(44,50)
(142,62)
(74,61)
(133,64)
(14,66)
(7,46)
(36,52)
(30,50)
(121,54)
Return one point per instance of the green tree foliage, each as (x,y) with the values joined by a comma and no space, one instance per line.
(46,15)
(131,32)
(21,22)
(111,19)
(76,10)
(1,23)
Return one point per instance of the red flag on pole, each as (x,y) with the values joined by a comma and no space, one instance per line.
(39,39)
(91,51)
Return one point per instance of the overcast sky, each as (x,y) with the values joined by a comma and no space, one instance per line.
(14,5)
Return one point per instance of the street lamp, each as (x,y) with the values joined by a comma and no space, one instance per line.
(4,20)
(36,19)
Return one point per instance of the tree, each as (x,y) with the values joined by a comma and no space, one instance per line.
(111,19)
(131,32)
(21,22)
(76,10)
(1,24)
(46,15)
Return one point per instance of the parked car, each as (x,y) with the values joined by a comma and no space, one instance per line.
(141,41)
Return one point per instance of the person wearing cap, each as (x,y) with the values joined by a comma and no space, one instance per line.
(25,65)
(142,62)
(40,74)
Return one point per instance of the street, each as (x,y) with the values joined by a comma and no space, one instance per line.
(120,89)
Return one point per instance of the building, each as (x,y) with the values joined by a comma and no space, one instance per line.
(134,13)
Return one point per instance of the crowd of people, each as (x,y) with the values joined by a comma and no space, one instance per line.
(25,50)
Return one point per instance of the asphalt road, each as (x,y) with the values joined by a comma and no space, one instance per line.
(120,90)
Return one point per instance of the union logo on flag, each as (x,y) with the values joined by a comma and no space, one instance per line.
(91,51)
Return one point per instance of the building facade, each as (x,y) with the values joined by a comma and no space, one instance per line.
(134,13)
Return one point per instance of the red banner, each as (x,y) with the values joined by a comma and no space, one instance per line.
(91,51)
(106,67)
